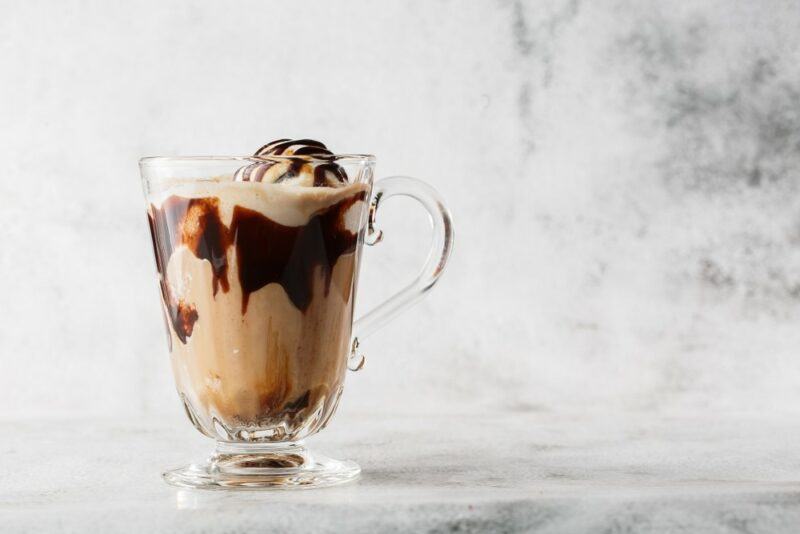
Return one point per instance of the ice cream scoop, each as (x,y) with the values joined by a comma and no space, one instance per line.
(301,162)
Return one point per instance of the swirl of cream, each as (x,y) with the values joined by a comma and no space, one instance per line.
(299,164)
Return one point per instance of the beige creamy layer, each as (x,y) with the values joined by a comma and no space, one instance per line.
(273,371)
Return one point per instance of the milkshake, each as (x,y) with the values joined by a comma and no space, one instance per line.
(257,271)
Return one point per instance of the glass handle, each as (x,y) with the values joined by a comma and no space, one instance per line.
(441,246)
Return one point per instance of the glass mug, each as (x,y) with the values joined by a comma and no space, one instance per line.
(258,283)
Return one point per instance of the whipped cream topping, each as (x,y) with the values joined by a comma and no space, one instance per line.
(300,162)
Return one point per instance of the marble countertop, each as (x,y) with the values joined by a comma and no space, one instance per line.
(525,471)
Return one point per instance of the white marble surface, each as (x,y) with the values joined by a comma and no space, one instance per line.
(623,176)
(522,472)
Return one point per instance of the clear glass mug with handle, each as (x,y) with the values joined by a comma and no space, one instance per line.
(258,280)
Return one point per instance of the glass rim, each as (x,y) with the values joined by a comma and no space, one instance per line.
(339,158)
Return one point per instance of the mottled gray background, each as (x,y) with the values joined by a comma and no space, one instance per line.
(624,178)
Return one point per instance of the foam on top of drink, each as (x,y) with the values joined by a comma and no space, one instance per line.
(301,162)
(286,180)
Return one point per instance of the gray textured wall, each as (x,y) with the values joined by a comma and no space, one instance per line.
(623,175)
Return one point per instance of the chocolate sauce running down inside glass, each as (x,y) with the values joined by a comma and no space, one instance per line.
(194,222)
(267,252)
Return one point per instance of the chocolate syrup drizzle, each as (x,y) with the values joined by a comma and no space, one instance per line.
(267,252)
(179,313)
(309,149)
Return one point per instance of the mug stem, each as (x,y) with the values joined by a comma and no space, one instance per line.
(263,466)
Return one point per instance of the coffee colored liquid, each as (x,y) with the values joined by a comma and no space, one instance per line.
(257,286)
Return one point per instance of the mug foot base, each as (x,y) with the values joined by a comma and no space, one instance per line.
(263,467)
